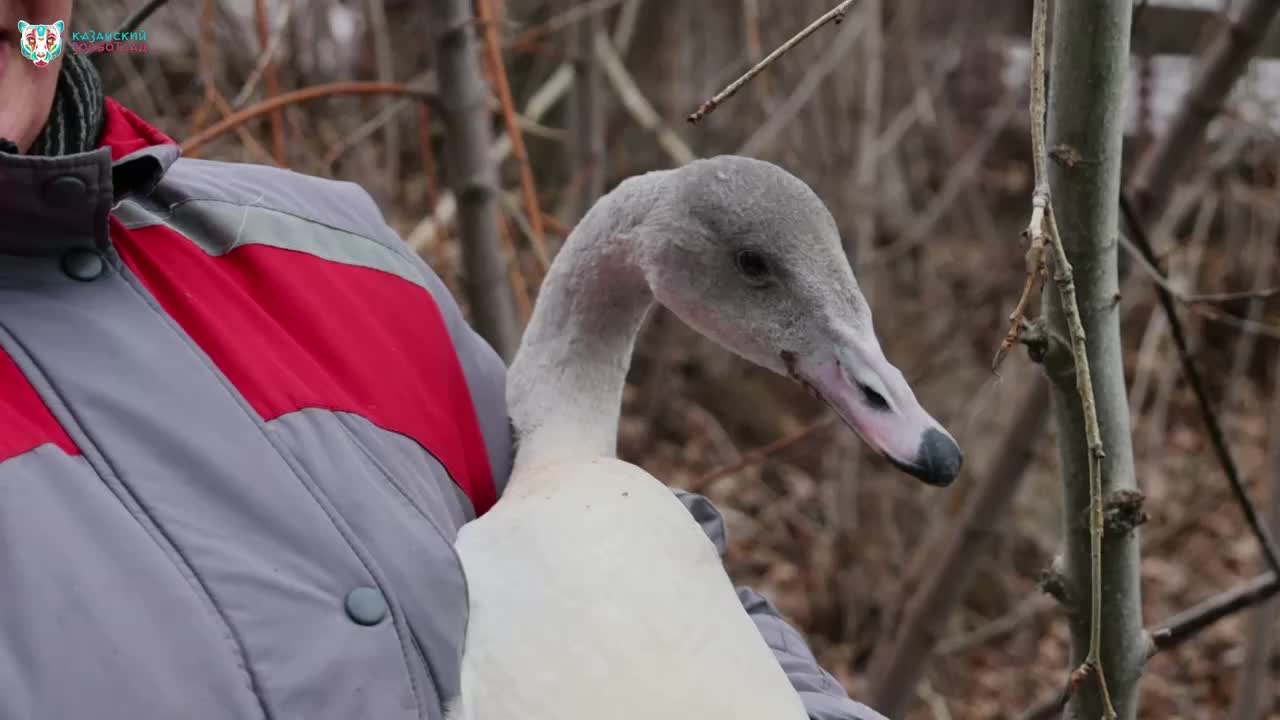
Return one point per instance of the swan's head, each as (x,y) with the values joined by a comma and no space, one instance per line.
(747,254)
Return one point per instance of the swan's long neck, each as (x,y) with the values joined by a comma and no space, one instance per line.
(564,387)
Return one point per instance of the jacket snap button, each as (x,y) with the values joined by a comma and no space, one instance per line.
(65,191)
(83,264)
(366,606)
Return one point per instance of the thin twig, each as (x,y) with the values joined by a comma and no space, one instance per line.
(1084,385)
(295,97)
(1194,619)
(1217,437)
(1182,627)
(1223,61)
(1027,610)
(836,14)
(1046,709)
(371,126)
(204,65)
(760,454)
(270,79)
(519,286)
(384,64)
(780,117)
(868,169)
(511,208)
(134,21)
(431,184)
(555,226)
(364,131)
(1227,297)
(493,53)
(960,177)
(1034,234)
(755,47)
(635,102)
(251,83)
(539,104)
(224,110)
(1242,324)
(1042,212)
(1140,254)
(1252,680)
(556,23)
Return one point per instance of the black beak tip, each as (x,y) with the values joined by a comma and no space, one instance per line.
(937,462)
(939,458)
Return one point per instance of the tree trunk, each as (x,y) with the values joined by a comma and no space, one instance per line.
(1088,71)
(586,121)
(473,177)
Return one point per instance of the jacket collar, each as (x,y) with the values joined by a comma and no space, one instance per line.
(49,205)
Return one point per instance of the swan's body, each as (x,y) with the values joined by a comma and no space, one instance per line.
(601,597)
(593,591)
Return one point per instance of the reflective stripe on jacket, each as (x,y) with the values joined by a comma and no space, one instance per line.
(240,426)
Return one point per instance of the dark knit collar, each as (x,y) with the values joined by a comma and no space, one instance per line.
(75,120)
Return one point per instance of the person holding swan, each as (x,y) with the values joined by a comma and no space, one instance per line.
(243,426)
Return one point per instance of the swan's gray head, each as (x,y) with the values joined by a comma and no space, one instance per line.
(747,254)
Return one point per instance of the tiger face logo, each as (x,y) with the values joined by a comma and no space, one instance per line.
(40,44)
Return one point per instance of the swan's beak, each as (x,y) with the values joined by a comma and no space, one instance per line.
(873,398)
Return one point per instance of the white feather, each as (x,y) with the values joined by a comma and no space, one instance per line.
(594,594)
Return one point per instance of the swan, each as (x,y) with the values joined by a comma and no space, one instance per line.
(593,592)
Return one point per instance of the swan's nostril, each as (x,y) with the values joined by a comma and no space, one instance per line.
(873,398)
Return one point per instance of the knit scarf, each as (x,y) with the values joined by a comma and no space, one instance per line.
(75,120)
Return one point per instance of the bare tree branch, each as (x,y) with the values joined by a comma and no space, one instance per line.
(1223,61)
(1255,675)
(384,60)
(139,16)
(1191,621)
(836,14)
(497,70)
(637,104)
(424,91)
(759,455)
(1217,438)
(586,155)
(786,111)
(539,103)
(576,14)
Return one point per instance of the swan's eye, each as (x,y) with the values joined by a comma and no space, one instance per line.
(752,264)
(873,398)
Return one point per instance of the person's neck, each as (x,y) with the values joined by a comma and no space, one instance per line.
(74,122)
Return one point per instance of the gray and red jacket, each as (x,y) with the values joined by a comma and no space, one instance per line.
(240,426)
